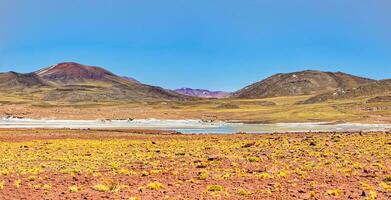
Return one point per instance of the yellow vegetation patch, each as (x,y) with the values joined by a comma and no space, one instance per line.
(221,165)
(155,186)
(215,188)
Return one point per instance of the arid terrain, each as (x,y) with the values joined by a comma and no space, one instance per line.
(367,109)
(195,100)
(110,164)
(74,91)
(152,164)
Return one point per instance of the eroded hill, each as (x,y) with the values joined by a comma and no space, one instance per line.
(300,83)
(375,88)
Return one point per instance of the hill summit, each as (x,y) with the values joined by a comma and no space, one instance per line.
(300,83)
(71,72)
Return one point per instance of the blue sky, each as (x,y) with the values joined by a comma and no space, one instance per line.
(213,44)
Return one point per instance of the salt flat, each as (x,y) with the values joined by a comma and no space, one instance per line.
(192,125)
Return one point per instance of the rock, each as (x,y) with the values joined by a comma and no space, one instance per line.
(248,145)
(213,158)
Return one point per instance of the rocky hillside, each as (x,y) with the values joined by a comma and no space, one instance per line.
(15,81)
(375,88)
(201,93)
(301,83)
(73,82)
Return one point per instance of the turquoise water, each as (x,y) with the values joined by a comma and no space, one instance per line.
(291,127)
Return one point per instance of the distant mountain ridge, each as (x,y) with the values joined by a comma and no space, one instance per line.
(300,83)
(74,82)
(203,93)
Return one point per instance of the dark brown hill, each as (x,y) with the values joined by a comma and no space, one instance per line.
(14,80)
(300,83)
(376,88)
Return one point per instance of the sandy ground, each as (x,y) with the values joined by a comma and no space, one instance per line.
(249,111)
(239,166)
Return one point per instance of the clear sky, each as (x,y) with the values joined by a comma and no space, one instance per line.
(213,44)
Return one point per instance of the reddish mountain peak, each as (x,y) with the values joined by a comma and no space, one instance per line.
(73,71)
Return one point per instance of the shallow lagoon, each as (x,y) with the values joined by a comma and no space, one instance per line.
(191,126)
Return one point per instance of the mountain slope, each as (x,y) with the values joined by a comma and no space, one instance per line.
(14,80)
(300,83)
(131,79)
(69,73)
(74,82)
(77,82)
(376,88)
(201,93)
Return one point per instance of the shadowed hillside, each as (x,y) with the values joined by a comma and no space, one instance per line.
(15,81)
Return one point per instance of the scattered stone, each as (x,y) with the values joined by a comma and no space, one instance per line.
(248,145)
(213,158)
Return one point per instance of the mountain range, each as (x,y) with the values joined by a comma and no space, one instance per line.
(74,82)
(202,93)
